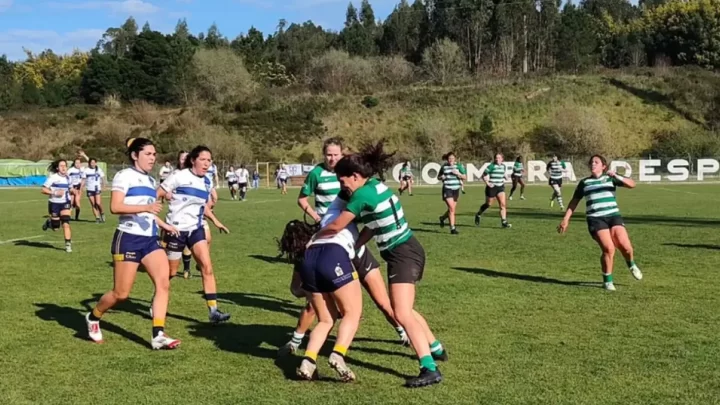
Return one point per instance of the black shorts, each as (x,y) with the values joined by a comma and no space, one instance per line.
(492,192)
(231,184)
(283,181)
(76,187)
(54,209)
(242,185)
(365,263)
(405,262)
(552,182)
(406,178)
(447,193)
(596,224)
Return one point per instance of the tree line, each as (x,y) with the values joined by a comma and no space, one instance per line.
(439,41)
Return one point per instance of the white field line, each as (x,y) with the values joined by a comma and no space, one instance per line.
(19,239)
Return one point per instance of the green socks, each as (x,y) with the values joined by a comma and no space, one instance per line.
(436,348)
(607,278)
(630,263)
(428,363)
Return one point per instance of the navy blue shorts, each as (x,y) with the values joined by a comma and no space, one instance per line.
(55,208)
(127,247)
(91,193)
(76,187)
(326,268)
(186,239)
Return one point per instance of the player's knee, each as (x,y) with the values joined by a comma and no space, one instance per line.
(206,269)
(121,295)
(162,285)
(608,250)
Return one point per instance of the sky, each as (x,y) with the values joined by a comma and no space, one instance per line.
(63,25)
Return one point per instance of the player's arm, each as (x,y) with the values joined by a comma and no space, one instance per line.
(621,181)
(365,235)
(209,215)
(340,223)
(166,227)
(306,191)
(577,196)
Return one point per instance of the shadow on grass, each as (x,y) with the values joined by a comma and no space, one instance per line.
(270,259)
(133,306)
(535,213)
(694,246)
(250,339)
(38,245)
(74,319)
(261,301)
(447,224)
(525,277)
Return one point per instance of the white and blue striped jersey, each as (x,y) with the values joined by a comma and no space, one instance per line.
(345,238)
(93,178)
(139,189)
(57,182)
(210,175)
(190,193)
(76,175)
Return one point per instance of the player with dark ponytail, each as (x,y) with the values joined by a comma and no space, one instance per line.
(382,213)
(134,200)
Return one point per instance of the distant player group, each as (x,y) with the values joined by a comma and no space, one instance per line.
(327,250)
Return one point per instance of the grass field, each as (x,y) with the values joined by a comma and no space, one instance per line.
(522,311)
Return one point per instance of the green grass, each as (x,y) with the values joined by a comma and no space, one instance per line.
(521,311)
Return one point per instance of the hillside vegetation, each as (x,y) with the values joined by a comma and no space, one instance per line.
(660,111)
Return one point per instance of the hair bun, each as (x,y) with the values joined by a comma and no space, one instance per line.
(129,142)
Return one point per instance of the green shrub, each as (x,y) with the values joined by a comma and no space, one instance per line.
(370,102)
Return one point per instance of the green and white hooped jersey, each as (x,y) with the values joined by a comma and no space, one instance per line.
(451,181)
(556,169)
(380,210)
(599,194)
(406,172)
(496,173)
(518,169)
(324,185)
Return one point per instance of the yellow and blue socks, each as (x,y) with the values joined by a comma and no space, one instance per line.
(158,326)
(95,315)
(340,350)
(186,262)
(311,357)
(211,300)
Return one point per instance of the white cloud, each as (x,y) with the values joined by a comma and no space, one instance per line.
(137,7)
(12,42)
(5,4)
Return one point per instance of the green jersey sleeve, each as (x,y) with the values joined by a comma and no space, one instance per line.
(461,168)
(563,165)
(617,182)
(358,202)
(311,182)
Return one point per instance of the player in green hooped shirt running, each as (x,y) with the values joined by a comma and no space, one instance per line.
(494,178)
(556,169)
(603,216)
(380,210)
(452,174)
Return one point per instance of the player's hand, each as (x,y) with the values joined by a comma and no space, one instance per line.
(611,173)
(155,207)
(58,193)
(317,218)
(455,172)
(171,230)
(222,228)
(562,227)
